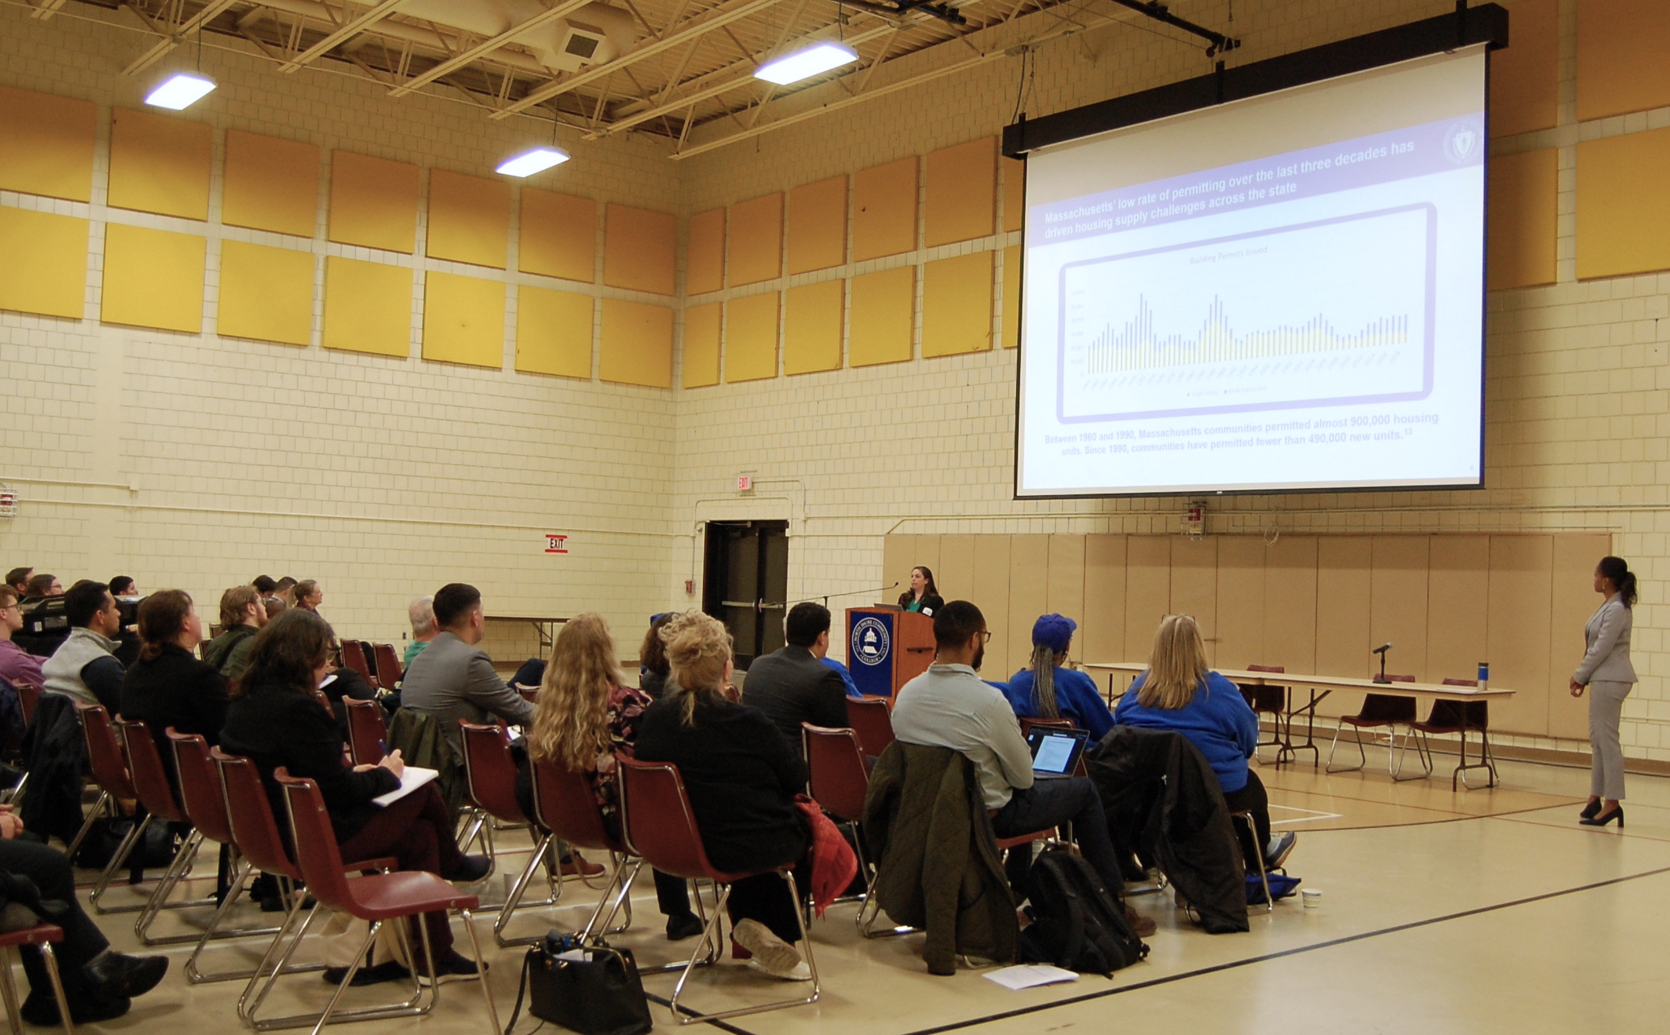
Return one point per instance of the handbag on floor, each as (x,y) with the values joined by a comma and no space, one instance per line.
(591,989)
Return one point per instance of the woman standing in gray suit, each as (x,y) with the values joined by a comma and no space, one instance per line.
(1608,675)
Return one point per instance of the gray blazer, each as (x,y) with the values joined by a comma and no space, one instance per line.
(1607,635)
(452,680)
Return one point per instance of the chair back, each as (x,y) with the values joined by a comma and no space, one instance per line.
(873,722)
(145,769)
(1027,725)
(353,656)
(1387,708)
(389,671)
(1459,715)
(317,855)
(1266,668)
(369,653)
(200,794)
(28,696)
(490,772)
(839,780)
(564,804)
(658,821)
(104,754)
(249,814)
(367,731)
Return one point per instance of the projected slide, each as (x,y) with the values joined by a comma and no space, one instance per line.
(1286,317)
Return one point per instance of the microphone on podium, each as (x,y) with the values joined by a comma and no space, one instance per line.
(1381,650)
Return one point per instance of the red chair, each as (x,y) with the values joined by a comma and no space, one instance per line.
(249,817)
(110,772)
(660,825)
(839,781)
(369,654)
(1381,711)
(872,720)
(27,697)
(376,899)
(1271,701)
(1459,717)
(490,777)
(41,936)
(389,670)
(367,731)
(204,801)
(150,780)
(353,656)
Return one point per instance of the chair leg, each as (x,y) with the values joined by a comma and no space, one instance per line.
(1423,755)
(116,860)
(620,885)
(1258,854)
(711,940)
(1363,755)
(50,958)
(481,965)
(159,895)
(805,952)
(8,990)
(348,979)
(514,899)
(87,824)
(242,871)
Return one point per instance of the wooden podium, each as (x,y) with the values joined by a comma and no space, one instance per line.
(887,647)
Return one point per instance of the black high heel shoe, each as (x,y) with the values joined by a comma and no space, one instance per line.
(1602,820)
(1591,810)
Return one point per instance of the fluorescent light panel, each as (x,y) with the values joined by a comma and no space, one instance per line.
(803,64)
(530,162)
(180,91)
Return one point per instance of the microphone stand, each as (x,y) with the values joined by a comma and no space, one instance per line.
(827,597)
(1381,678)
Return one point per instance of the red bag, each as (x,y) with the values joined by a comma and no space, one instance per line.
(834,864)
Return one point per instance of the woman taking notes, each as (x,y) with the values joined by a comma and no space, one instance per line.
(923,595)
(1608,675)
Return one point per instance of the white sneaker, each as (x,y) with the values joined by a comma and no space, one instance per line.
(771,954)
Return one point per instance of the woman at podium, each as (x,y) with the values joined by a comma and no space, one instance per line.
(923,596)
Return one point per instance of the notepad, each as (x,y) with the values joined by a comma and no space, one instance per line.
(1031,976)
(411,778)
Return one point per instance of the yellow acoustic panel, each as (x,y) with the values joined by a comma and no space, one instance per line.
(271,184)
(957,305)
(368,307)
(160,164)
(46,144)
(1620,57)
(812,327)
(553,332)
(373,202)
(265,293)
(463,320)
(701,345)
(818,225)
(1524,79)
(884,210)
(706,253)
(43,263)
(882,317)
(756,241)
(469,219)
(559,236)
(638,250)
(751,338)
(153,278)
(962,192)
(1522,214)
(637,344)
(1011,301)
(1014,193)
(1623,210)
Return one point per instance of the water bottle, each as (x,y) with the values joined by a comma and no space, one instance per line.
(1484,675)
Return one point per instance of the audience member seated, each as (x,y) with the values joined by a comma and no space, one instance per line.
(17,666)
(585,717)
(308,595)
(241,617)
(275,720)
(99,982)
(1046,689)
(791,685)
(40,586)
(18,579)
(949,706)
(742,777)
(285,590)
(123,586)
(652,658)
(168,686)
(453,678)
(421,613)
(84,667)
(264,585)
(1179,692)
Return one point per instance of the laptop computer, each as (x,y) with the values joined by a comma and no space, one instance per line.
(1055,752)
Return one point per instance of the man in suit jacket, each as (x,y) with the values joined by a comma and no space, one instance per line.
(453,678)
(793,685)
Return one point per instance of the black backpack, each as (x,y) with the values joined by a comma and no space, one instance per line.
(1077,925)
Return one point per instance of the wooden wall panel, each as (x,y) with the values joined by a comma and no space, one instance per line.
(554,333)
(755,253)
(884,209)
(1066,590)
(1029,586)
(701,345)
(1518,611)
(817,234)
(639,248)
(1623,212)
(991,595)
(558,236)
(1458,591)
(635,344)
(706,255)
(1194,586)
(1398,601)
(1240,607)
(954,575)
(927,555)
(898,555)
(1523,209)
(1573,600)
(373,202)
(1147,592)
(1102,626)
(46,144)
(1620,63)
(1524,78)
(1342,605)
(1290,611)
(962,192)
(469,219)
(270,184)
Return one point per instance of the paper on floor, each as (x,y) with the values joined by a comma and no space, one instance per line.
(1031,976)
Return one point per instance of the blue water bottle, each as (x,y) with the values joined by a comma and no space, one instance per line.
(1484,675)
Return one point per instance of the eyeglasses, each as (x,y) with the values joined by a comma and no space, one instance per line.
(10,606)
(985,637)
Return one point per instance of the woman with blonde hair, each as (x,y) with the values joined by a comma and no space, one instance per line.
(1180,693)
(742,777)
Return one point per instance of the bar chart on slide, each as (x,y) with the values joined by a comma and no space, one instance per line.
(1318,313)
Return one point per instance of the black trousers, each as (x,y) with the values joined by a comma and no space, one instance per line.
(1251,798)
(51,871)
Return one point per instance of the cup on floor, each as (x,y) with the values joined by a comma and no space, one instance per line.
(1312,897)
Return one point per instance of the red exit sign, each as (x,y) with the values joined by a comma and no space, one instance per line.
(555,543)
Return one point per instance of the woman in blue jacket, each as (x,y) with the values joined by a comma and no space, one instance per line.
(1047,690)
(1180,693)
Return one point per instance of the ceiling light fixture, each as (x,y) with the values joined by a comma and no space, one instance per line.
(529,162)
(803,64)
(180,90)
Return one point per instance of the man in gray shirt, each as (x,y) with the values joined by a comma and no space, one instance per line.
(453,678)
(950,706)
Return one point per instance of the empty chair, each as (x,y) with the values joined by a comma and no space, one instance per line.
(1271,701)
(1381,711)
(872,720)
(839,781)
(389,671)
(490,777)
(369,653)
(367,731)
(353,656)
(110,772)
(1459,717)
(150,781)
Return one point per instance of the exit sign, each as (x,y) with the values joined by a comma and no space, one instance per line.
(555,543)
(744,483)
